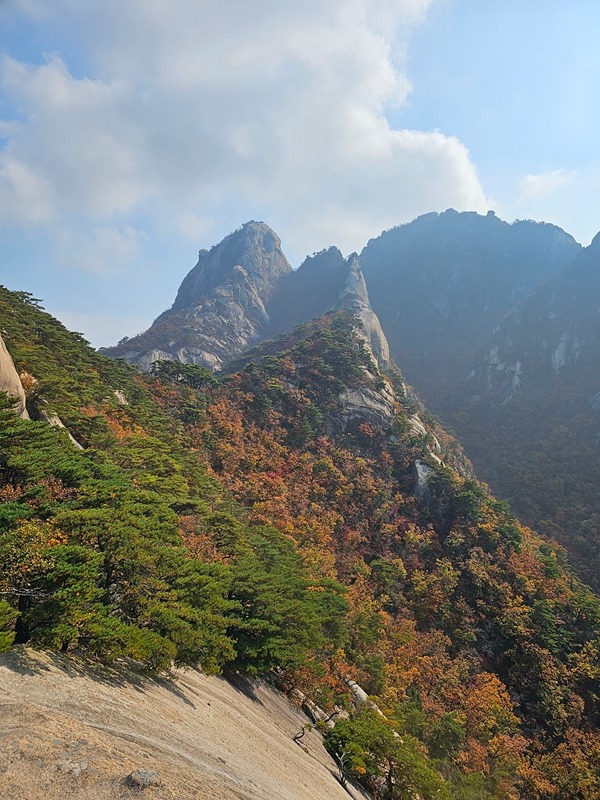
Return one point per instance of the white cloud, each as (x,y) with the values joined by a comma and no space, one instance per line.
(544,184)
(567,198)
(198,110)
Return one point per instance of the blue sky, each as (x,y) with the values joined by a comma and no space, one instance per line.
(133,134)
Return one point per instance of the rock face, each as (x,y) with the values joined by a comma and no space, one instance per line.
(56,422)
(221,306)
(366,404)
(10,381)
(323,283)
(66,734)
(353,297)
(254,248)
(242,291)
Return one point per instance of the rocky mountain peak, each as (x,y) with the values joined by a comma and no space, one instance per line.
(254,247)
(243,290)
(221,305)
(354,297)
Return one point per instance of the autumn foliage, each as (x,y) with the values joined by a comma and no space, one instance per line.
(244,523)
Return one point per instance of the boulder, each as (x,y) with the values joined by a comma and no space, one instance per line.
(142,779)
(10,381)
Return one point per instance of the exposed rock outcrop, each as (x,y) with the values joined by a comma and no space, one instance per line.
(121,399)
(221,306)
(200,737)
(375,406)
(243,291)
(56,422)
(323,283)
(10,381)
(423,473)
(361,698)
(354,297)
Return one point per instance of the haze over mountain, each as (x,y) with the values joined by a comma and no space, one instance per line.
(442,283)
(533,419)
(498,327)
(296,514)
(493,324)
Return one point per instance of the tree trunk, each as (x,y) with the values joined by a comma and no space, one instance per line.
(21,628)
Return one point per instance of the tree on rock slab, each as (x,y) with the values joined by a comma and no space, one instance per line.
(394,767)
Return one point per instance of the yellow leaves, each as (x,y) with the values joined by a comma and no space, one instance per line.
(535,783)
(586,663)
(24,551)
(570,771)
(479,565)
(418,537)
(488,707)
(516,617)
(28,382)
(199,543)
(507,749)
(431,592)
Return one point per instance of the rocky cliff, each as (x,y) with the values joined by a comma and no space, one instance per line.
(242,291)
(353,297)
(10,381)
(221,306)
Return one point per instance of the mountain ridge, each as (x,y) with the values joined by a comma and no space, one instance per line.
(243,290)
(434,296)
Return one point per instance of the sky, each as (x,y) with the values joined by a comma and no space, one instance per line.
(134,133)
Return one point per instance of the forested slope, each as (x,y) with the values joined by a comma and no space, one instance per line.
(533,418)
(497,328)
(292,514)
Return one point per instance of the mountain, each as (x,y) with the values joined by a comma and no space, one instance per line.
(221,305)
(465,302)
(442,283)
(533,395)
(242,291)
(497,328)
(289,517)
(323,283)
